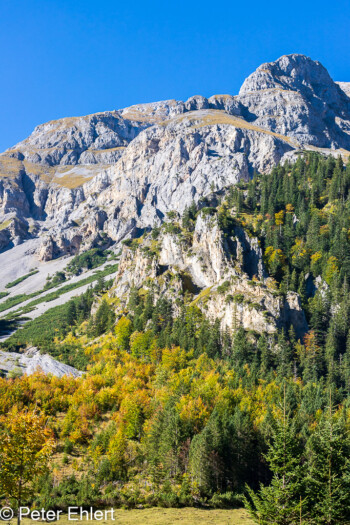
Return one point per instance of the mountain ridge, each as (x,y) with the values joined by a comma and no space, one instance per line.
(78,182)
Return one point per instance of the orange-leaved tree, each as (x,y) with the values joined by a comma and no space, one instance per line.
(26,445)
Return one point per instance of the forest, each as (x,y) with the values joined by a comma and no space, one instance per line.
(174,411)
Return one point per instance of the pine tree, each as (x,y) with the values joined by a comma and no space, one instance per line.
(345,366)
(284,356)
(71,313)
(266,356)
(242,350)
(101,284)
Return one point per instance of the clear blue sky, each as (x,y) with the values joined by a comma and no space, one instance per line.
(71,57)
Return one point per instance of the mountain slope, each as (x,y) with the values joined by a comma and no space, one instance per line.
(89,181)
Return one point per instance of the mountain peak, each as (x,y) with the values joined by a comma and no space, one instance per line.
(296,96)
(290,72)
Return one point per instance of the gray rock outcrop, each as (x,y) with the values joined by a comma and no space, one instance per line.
(295,96)
(225,276)
(32,361)
(79,182)
(345,86)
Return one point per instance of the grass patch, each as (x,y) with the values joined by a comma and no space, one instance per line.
(5,224)
(9,166)
(72,286)
(71,181)
(87,260)
(213,117)
(17,299)
(40,331)
(100,274)
(204,295)
(20,279)
(47,330)
(160,516)
(7,326)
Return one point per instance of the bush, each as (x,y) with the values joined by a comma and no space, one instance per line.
(55,280)
(223,287)
(226,500)
(68,447)
(127,242)
(169,227)
(15,372)
(208,211)
(87,260)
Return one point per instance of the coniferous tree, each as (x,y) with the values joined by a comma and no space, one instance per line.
(280,502)
(104,318)
(328,470)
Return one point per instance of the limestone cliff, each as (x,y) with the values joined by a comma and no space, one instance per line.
(224,276)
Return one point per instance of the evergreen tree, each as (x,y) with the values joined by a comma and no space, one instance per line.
(104,318)
(328,471)
(280,502)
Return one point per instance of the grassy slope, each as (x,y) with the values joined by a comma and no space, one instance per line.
(159,516)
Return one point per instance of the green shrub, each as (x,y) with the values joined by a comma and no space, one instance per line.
(223,287)
(20,279)
(238,298)
(68,447)
(208,211)
(226,500)
(87,260)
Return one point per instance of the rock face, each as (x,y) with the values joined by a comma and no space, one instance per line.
(295,96)
(225,275)
(78,140)
(345,86)
(32,361)
(85,181)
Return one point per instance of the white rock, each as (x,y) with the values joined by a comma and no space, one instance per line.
(32,361)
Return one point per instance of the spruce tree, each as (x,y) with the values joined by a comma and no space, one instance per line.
(280,503)
(328,467)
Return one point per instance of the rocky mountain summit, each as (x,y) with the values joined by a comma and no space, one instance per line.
(344,86)
(85,181)
(295,96)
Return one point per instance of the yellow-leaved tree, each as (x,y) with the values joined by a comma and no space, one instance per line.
(26,445)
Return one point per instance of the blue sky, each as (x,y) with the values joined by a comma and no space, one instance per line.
(73,57)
